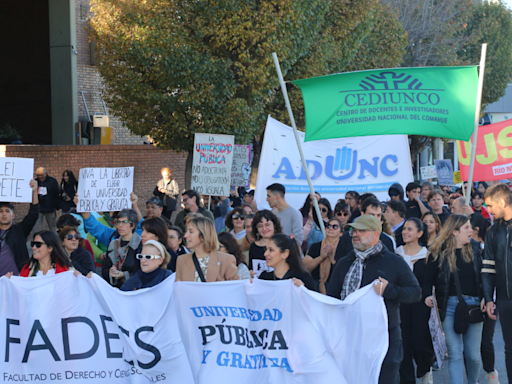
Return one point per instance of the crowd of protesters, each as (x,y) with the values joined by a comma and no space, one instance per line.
(423,246)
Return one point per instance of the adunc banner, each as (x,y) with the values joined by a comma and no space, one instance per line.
(493,160)
(79,330)
(363,164)
(429,101)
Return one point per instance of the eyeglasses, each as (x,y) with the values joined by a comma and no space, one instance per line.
(123,222)
(342,214)
(353,231)
(36,243)
(140,256)
(241,217)
(40,175)
(173,237)
(333,226)
(324,210)
(71,237)
(185,199)
(266,225)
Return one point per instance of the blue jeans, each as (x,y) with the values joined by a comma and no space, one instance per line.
(469,343)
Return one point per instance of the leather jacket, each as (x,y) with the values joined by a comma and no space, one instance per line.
(497,263)
(439,277)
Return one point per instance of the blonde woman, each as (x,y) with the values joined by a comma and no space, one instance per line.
(454,252)
(205,263)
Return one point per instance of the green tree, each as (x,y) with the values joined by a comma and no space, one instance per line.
(490,23)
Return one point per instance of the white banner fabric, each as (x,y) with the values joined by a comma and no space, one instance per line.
(67,328)
(362,164)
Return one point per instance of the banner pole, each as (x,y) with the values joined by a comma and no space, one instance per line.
(477,118)
(292,120)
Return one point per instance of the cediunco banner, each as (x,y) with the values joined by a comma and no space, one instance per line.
(429,101)
(67,328)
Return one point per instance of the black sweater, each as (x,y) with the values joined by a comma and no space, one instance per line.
(82,261)
(402,287)
(16,238)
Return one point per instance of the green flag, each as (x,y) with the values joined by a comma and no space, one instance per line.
(432,101)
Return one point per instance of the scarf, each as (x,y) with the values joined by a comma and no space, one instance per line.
(410,259)
(354,275)
(326,264)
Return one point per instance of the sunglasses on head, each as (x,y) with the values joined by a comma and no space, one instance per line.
(36,243)
(123,222)
(342,214)
(333,226)
(71,237)
(140,256)
(237,216)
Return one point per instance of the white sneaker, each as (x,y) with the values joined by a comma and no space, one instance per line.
(492,377)
(428,378)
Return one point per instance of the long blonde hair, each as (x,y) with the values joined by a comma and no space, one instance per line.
(444,246)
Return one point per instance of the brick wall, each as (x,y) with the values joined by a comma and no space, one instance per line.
(89,80)
(147,160)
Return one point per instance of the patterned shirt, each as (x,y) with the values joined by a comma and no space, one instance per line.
(203,264)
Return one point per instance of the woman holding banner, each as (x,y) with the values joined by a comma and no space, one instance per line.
(453,268)
(153,267)
(206,263)
(48,257)
(283,255)
(81,258)
(416,339)
(264,225)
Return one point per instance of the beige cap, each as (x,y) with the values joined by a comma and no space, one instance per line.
(367,222)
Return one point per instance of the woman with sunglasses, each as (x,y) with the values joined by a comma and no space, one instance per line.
(176,245)
(235,223)
(48,257)
(342,212)
(320,258)
(416,339)
(153,267)
(264,225)
(81,259)
(312,232)
(284,257)
(206,263)
(121,262)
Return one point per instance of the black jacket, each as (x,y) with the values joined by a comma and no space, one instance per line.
(444,216)
(497,263)
(70,190)
(82,261)
(134,283)
(51,201)
(439,277)
(345,245)
(398,236)
(403,286)
(17,236)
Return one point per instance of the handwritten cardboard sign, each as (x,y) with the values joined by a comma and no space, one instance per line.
(15,176)
(241,168)
(444,170)
(105,189)
(436,331)
(211,164)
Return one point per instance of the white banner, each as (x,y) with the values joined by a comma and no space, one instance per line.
(15,176)
(211,164)
(83,330)
(105,189)
(362,164)
(241,168)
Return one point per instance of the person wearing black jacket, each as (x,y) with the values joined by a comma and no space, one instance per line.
(68,188)
(167,190)
(370,262)
(455,254)
(81,258)
(395,215)
(49,200)
(371,207)
(497,264)
(13,238)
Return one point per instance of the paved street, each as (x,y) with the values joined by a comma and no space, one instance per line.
(443,377)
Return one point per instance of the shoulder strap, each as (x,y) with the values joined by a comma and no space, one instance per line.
(457,286)
(198,268)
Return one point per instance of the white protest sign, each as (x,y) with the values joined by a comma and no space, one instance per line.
(187,333)
(436,331)
(336,166)
(211,164)
(105,189)
(428,172)
(241,168)
(444,170)
(15,176)
(259,266)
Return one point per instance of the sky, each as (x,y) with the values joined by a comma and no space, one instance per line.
(508,3)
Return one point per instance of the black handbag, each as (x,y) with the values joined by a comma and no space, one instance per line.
(465,314)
